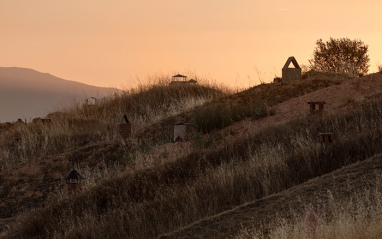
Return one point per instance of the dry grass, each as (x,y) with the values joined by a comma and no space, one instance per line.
(88,124)
(272,94)
(145,105)
(147,203)
(256,101)
(358,216)
(263,215)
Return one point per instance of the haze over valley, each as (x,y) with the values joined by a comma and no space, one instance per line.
(27,93)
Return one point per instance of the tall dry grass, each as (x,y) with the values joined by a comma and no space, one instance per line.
(358,216)
(153,201)
(272,94)
(84,124)
(145,105)
(254,102)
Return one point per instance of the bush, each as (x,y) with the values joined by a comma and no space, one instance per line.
(341,56)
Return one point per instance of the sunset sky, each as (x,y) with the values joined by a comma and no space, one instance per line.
(238,43)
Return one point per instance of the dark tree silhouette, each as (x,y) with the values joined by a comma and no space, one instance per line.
(341,56)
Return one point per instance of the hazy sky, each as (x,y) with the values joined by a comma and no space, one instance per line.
(238,43)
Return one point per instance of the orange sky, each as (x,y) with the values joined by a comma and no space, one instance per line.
(237,43)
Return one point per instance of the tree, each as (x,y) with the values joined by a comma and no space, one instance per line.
(341,56)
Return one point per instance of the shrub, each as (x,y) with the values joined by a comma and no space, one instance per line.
(341,56)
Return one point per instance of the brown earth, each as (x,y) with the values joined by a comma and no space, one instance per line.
(341,183)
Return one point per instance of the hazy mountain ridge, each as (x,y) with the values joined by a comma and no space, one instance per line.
(26,93)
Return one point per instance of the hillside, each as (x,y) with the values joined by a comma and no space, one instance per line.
(341,184)
(35,157)
(27,94)
(337,95)
(148,186)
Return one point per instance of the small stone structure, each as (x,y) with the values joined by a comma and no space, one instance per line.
(181,79)
(290,74)
(91,101)
(124,127)
(325,138)
(73,183)
(323,141)
(313,104)
(182,131)
(20,121)
(277,80)
(89,105)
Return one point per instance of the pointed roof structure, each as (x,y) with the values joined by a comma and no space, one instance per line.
(179,77)
(124,118)
(293,60)
(124,127)
(290,74)
(73,174)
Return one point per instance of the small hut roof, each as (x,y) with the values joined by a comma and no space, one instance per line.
(179,75)
(73,175)
(183,123)
(124,118)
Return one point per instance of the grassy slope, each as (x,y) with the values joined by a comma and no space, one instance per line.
(158,200)
(85,124)
(272,94)
(340,184)
(34,157)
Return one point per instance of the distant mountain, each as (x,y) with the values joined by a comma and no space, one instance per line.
(27,94)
